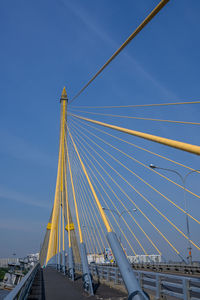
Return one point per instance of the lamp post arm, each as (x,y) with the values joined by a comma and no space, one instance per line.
(185,177)
(176,172)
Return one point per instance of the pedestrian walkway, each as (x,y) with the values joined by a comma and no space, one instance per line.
(59,287)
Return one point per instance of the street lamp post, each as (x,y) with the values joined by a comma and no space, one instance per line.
(183,179)
(119,216)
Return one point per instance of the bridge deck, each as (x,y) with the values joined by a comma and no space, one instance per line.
(57,286)
(50,284)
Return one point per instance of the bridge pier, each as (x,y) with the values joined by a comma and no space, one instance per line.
(63,262)
(71,264)
(59,261)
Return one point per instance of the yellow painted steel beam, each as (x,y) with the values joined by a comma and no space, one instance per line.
(54,234)
(102,213)
(52,246)
(75,203)
(168,142)
(67,204)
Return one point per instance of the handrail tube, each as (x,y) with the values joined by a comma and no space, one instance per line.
(15,292)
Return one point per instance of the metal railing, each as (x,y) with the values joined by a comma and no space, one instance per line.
(157,284)
(21,291)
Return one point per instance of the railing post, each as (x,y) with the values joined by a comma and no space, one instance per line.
(116,275)
(107,275)
(158,287)
(58,262)
(63,262)
(186,291)
(134,290)
(140,279)
(87,277)
(71,265)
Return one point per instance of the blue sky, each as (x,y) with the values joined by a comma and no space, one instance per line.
(48,44)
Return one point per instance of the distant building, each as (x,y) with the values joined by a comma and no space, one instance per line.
(145,258)
(95,258)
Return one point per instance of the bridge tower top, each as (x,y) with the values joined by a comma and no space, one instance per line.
(64,95)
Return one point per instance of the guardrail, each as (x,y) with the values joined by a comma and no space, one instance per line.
(157,284)
(21,291)
(175,268)
(193,269)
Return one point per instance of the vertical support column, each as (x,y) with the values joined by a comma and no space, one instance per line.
(63,262)
(158,287)
(71,265)
(186,289)
(87,277)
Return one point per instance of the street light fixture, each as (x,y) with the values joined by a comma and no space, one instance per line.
(183,179)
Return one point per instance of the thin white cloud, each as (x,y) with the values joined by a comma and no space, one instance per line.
(138,67)
(8,194)
(23,150)
(20,225)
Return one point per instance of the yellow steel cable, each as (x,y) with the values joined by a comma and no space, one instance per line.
(115,196)
(62,142)
(131,200)
(128,242)
(168,142)
(128,184)
(83,195)
(137,105)
(67,203)
(92,223)
(52,246)
(63,228)
(86,239)
(85,218)
(115,220)
(96,218)
(135,204)
(149,185)
(116,210)
(121,217)
(170,222)
(94,212)
(133,35)
(74,196)
(82,181)
(82,207)
(138,118)
(62,170)
(102,213)
(92,227)
(90,241)
(60,218)
(112,213)
(134,145)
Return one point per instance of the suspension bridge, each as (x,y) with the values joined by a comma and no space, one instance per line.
(123,212)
